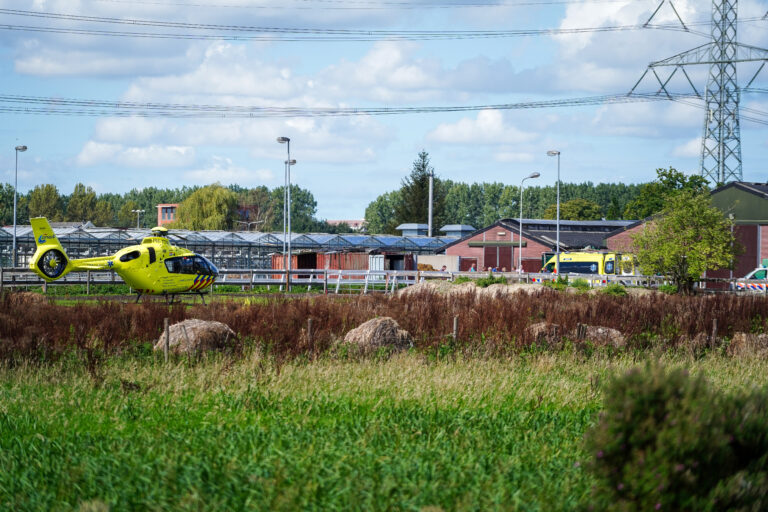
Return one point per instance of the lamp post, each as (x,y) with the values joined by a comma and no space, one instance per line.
(287,209)
(138,215)
(429,227)
(520,251)
(15,187)
(557,249)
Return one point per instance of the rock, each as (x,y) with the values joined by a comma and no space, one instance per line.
(543,333)
(26,299)
(197,335)
(695,346)
(602,336)
(377,333)
(746,345)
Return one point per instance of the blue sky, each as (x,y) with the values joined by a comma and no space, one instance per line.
(348,162)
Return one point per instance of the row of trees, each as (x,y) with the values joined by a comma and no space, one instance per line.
(480,204)
(210,207)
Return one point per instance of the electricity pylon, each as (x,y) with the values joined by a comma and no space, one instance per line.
(721,143)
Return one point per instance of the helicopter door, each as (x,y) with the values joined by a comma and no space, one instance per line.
(151,251)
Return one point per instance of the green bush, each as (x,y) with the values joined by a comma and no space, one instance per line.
(560,284)
(462,279)
(669,289)
(615,289)
(485,282)
(667,441)
(580,284)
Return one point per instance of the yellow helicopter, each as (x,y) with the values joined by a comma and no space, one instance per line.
(155,267)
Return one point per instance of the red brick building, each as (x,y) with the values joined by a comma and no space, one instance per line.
(166,213)
(498,245)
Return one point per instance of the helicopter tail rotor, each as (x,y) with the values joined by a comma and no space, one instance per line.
(50,260)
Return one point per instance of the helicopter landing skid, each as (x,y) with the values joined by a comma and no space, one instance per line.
(170,298)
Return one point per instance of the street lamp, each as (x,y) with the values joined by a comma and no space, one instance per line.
(138,214)
(557,249)
(249,224)
(520,251)
(287,210)
(15,187)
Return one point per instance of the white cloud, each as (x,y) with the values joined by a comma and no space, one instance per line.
(692,148)
(224,171)
(512,157)
(96,153)
(488,127)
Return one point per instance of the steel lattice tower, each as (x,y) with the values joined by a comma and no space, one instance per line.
(720,160)
(721,144)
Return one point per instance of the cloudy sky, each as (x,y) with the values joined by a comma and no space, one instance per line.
(347,161)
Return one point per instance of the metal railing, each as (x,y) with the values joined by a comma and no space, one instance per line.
(362,281)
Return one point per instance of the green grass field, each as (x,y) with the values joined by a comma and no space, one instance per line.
(223,434)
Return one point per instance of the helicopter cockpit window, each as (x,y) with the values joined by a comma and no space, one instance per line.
(190,265)
(130,256)
(203,266)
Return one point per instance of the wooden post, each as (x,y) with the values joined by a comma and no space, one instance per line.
(714,333)
(45,287)
(88,282)
(455,327)
(309,331)
(325,282)
(167,345)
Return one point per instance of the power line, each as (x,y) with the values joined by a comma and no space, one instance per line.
(370,5)
(83,107)
(294,34)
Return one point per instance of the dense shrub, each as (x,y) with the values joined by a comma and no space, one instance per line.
(668,441)
(580,284)
(669,289)
(614,289)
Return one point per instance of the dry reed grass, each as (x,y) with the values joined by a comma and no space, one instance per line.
(487,325)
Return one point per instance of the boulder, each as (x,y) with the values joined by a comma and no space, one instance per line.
(695,346)
(600,336)
(542,333)
(745,344)
(377,333)
(195,335)
(26,299)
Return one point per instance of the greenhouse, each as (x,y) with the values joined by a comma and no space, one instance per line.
(226,249)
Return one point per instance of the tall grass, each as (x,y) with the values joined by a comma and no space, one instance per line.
(227,434)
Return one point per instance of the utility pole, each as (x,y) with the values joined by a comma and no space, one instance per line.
(720,160)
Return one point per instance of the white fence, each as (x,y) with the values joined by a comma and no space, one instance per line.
(338,281)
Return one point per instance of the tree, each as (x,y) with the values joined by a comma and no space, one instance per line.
(256,205)
(575,209)
(689,237)
(103,214)
(125,217)
(303,208)
(45,201)
(653,196)
(81,204)
(380,214)
(211,207)
(413,204)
